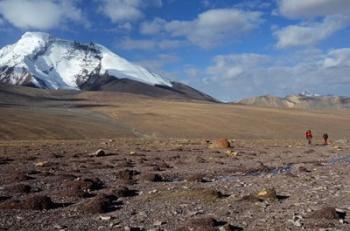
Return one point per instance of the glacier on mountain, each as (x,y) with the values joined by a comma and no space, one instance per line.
(44,61)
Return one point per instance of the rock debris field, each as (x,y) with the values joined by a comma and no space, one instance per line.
(174,184)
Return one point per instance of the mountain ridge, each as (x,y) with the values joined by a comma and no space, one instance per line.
(300,101)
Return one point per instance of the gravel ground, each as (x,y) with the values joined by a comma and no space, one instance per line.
(146,184)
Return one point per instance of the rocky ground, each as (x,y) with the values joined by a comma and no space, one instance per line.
(145,184)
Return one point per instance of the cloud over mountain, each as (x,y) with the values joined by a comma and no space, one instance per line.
(41,14)
(210,28)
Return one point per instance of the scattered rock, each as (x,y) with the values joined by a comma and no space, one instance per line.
(60,227)
(231,153)
(4,198)
(101,203)
(303,169)
(41,164)
(297,220)
(155,177)
(127,228)
(127,175)
(30,203)
(265,194)
(5,160)
(328,213)
(105,218)
(199,178)
(98,153)
(125,192)
(207,224)
(201,160)
(159,223)
(81,187)
(309,151)
(21,176)
(220,144)
(18,188)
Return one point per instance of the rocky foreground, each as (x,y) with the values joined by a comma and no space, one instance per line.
(140,184)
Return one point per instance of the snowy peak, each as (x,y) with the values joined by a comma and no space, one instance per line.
(29,44)
(307,93)
(40,60)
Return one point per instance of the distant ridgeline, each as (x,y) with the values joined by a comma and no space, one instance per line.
(301,101)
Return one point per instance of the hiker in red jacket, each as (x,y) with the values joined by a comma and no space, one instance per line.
(308,135)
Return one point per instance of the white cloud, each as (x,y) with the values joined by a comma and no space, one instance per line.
(334,16)
(244,75)
(233,66)
(254,4)
(309,33)
(313,8)
(154,27)
(149,44)
(126,10)
(192,72)
(210,28)
(40,14)
(140,44)
(158,63)
(338,58)
(206,3)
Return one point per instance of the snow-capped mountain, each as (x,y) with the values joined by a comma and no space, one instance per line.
(46,62)
(43,61)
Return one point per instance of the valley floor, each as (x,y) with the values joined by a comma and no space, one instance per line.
(168,184)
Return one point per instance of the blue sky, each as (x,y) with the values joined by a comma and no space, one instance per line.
(231,49)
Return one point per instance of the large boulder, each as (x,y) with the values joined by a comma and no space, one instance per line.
(220,144)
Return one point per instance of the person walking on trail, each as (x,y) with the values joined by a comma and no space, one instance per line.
(325,138)
(308,136)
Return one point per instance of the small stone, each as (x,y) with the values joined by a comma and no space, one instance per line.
(60,227)
(158,223)
(105,218)
(114,224)
(153,191)
(41,164)
(267,193)
(328,213)
(231,153)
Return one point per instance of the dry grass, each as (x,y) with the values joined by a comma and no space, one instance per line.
(158,118)
(108,114)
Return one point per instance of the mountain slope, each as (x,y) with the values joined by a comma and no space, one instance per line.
(42,61)
(300,101)
(31,113)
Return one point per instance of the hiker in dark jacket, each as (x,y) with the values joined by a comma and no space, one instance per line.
(325,138)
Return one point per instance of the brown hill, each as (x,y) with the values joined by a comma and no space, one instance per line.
(27,113)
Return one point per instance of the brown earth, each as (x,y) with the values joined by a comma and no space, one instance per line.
(268,185)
